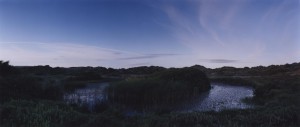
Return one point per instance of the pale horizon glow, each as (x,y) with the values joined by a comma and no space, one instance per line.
(122,34)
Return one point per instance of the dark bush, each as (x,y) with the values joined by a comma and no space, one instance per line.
(5,68)
(26,87)
(39,114)
(190,76)
(163,89)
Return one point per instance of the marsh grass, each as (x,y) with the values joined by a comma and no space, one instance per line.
(24,102)
(70,86)
(55,114)
(234,81)
(38,114)
(165,89)
(149,92)
(28,87)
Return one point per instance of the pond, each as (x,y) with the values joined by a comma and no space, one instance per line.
(222,96)
(219,97)
(91,94)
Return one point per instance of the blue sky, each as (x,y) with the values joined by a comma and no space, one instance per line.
(169,33)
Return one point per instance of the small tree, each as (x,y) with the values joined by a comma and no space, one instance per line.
(5,68)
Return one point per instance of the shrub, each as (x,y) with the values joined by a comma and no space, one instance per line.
(39,113)
(26,87)
(163,89)
(5,68)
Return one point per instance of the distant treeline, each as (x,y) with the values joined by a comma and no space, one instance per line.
(272,70)
(47,70)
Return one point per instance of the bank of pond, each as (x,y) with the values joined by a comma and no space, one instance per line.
(174,97)
(220,97)
(67,114)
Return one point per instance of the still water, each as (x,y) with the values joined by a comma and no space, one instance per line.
(89,95)
(221,96)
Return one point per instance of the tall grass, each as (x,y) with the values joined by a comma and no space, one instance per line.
(27,87)
(53,114)
(234,81)
(23,102)
(167,88)
(38,114)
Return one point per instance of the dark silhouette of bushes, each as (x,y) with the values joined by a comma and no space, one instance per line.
(21,113)
(5,68)
(89,75)
(26,87)
(191,77)
(22,86)
(234,81)
(24,97)
(144,70)
(169,87)
(43,70)
(272,70)
(279,91)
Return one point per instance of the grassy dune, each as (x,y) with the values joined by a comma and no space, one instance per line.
(28,100)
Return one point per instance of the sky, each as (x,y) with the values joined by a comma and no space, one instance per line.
(168,33)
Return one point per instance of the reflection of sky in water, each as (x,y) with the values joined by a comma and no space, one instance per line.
(91,94)
(221,97)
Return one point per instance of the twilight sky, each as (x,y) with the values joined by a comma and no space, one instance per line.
(169,33)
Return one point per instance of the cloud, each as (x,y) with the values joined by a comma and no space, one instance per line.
(204,22)
(219,60)
(70,54)
(147,56)
(57,54)
(140,64)
(239,29)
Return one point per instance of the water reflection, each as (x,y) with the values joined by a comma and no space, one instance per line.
(220,97)
(90,95)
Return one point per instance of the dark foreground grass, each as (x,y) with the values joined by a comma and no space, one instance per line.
(55,114)
(278,99)
(39,114)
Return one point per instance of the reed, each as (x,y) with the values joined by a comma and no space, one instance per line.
(166,88)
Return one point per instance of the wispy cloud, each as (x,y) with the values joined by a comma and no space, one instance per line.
(212,16)
(237,29)
(70,54)
(148,56)
(140,64)
(219,60)
(57,54)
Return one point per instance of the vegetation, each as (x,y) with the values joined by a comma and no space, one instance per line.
(73,85)
(162,89)
(259,71)
(5,68)
(31,96)
(234,81)
(279,91)
(22,86)
(39,113)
